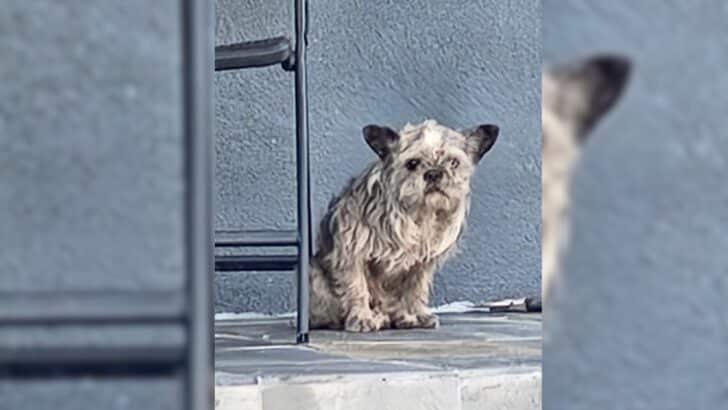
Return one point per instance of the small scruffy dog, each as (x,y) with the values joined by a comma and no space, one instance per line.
(384,236)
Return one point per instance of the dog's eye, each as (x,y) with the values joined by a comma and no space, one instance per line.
(412,164)
(454,163)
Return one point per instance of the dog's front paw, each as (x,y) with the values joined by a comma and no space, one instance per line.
(381,320)
(411,321)
(362,321)
(427,320)
(404,321)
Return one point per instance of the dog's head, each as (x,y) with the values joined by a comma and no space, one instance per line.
(575,96)
(427,167)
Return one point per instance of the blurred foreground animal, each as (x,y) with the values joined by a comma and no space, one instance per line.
(575,96)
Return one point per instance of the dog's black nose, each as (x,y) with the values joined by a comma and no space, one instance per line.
(433,175)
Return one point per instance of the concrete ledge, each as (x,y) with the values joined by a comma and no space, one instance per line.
(475,390)
(472,362)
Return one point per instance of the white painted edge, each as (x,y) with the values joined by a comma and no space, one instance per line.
(483,389)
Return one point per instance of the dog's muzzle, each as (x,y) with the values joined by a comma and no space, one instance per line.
(433,176)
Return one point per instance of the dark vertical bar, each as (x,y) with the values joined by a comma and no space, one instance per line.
(197,65)
(304,214)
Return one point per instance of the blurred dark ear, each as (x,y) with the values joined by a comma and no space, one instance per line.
(380,139)
(480,140)
(589,88)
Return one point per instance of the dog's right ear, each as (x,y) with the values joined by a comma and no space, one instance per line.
(380,139)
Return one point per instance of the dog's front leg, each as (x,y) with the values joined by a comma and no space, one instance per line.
(352,287)
(411,311)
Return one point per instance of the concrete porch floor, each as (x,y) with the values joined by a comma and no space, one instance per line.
(472,361)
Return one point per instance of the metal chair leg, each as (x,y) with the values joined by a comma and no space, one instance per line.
(304,204)
(260,54)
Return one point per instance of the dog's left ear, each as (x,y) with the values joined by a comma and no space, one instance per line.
(380,139)
(480,140)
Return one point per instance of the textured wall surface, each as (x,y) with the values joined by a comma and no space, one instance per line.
(90,147)
(640,320)
(91,192)
(117,393)
(386,62)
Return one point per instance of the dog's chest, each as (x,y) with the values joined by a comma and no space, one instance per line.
(425,241)
(437,235)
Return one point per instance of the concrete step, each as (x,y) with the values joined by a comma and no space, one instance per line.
(473,361)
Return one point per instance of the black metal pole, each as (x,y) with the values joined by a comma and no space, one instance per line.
(304,214)
(198,48)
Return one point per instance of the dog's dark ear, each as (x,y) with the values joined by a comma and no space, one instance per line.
(380,139)
(590,88)
(480,140)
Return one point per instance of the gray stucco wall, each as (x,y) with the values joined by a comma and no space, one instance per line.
(387,62)
(91,195)
(640,320)
(90,148)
